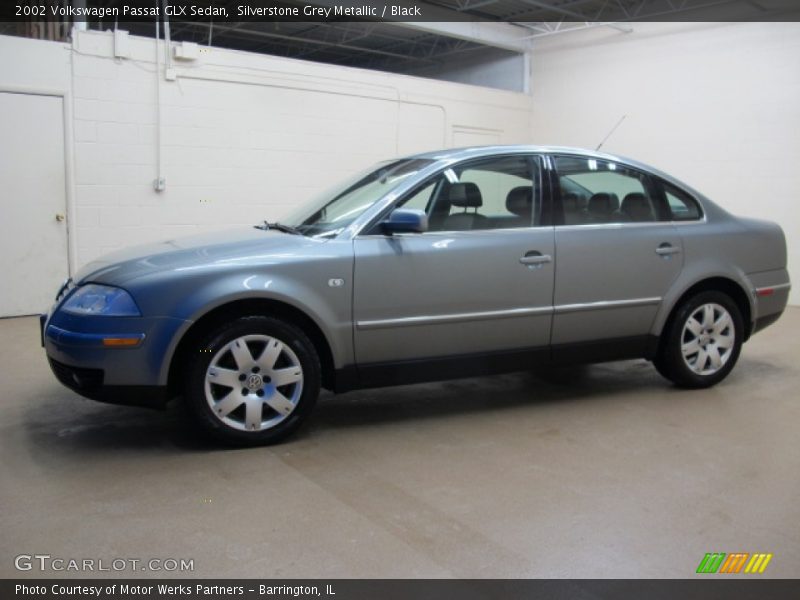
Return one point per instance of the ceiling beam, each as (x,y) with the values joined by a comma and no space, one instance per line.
(475,4)
(444,21)
(241,32)
(506,36)
(556,9)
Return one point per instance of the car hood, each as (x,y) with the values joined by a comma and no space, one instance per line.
(223,249)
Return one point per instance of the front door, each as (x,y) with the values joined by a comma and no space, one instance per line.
(479,281)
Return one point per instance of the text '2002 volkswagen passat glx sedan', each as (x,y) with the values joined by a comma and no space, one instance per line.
(440,265)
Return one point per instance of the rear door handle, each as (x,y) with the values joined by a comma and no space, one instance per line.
(667,249)
(534,258)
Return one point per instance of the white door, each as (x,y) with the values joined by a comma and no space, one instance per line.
(33,229)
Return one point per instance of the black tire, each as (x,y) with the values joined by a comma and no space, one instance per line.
(234,427)
(689,372)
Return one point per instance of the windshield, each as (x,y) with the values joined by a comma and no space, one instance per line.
(334,211)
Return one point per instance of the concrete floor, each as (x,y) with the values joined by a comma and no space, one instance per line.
(605,471)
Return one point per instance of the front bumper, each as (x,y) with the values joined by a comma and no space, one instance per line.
(81,359)
(90,384)
(91,340)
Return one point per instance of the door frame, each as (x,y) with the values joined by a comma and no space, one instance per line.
(69,158)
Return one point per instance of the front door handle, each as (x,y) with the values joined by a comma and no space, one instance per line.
(535,258)
(667,249)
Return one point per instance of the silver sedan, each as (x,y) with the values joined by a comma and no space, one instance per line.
(446,264)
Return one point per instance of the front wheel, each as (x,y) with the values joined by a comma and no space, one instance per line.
(702,343)
(255,381)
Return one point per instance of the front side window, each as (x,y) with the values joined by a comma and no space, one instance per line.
(494,193)
(335,210)
(421,197)
(595,191)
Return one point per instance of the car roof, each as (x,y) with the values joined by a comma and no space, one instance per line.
(470,151)
(457,154)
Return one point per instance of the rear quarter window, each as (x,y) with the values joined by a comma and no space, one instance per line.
(682,207)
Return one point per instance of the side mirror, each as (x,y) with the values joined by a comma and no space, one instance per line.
(406,220)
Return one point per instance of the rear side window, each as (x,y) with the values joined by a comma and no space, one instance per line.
(682,207)
(599,191)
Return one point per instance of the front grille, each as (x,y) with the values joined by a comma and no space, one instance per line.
(77,378)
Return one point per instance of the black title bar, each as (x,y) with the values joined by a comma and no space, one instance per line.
(711,588)
(109,12)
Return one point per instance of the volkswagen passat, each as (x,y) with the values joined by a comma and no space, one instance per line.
(440,265)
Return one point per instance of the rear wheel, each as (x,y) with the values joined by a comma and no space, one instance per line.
(702,343)
(256,381)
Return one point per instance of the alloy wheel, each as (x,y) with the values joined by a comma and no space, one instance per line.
(253,383)
(708,339)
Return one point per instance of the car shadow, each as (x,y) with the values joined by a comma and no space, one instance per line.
(532,389)
(62,422)
(94,426)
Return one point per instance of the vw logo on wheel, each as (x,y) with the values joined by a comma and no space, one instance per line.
(254,382)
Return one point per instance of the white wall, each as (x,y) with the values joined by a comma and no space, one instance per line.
(34,64)
(716,105)
(244,137)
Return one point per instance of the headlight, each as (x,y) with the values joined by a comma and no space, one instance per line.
(65,288)
(104,300)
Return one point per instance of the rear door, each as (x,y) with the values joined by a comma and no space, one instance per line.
(617,252)
(479,281)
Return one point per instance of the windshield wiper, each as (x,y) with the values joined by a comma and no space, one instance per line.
(278,227)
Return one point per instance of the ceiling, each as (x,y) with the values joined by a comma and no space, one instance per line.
(403,48)
(496,26)
(382,46)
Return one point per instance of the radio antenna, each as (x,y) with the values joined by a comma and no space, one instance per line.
(600,145)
